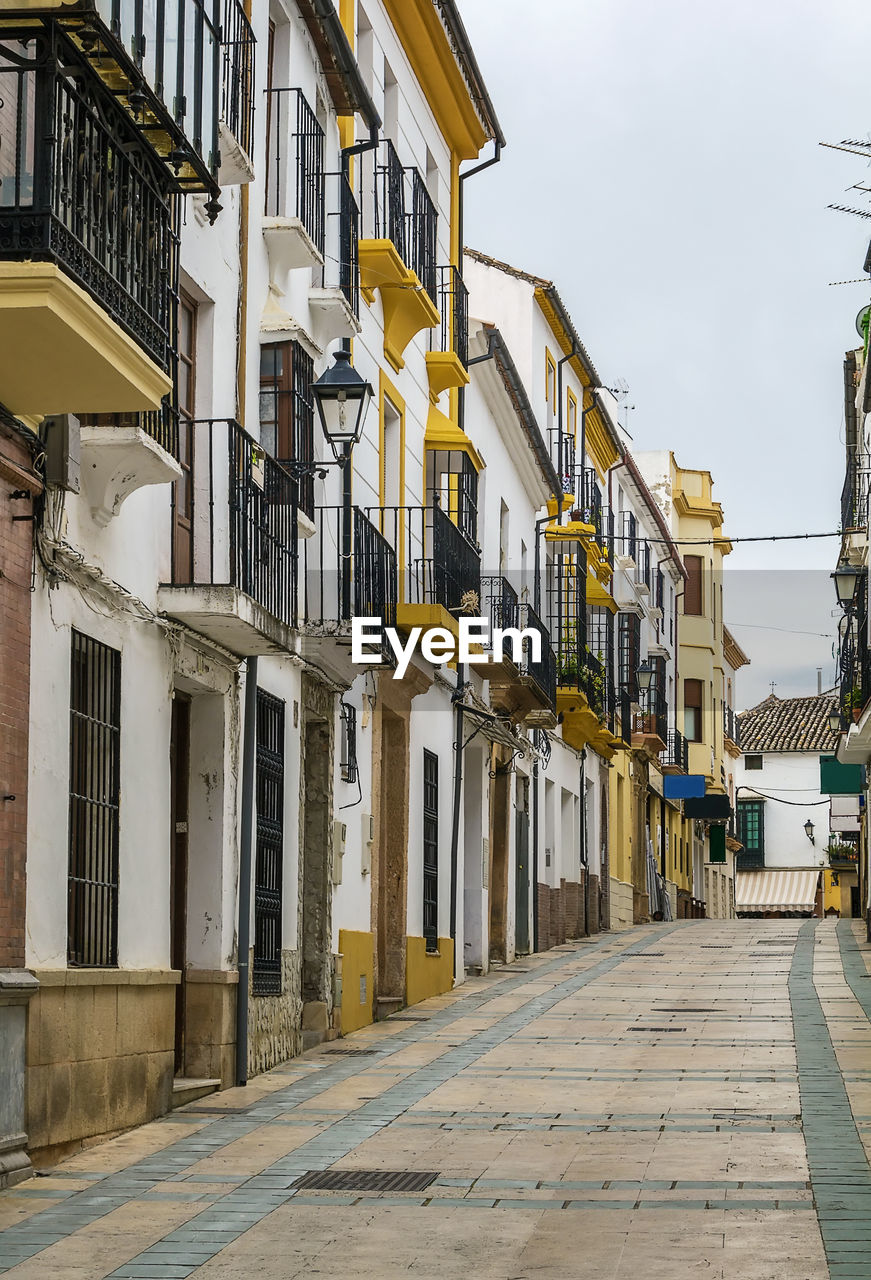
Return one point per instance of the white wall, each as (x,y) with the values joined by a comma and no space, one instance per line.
(794,779)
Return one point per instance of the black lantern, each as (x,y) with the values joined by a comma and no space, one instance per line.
(342,398)
(809,830)
(845,580)
(645,676)
(835,720)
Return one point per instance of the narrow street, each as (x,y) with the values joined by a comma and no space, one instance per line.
(686,1100)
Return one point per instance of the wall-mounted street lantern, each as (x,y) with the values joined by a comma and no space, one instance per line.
(645,676)
(809,830)
(835,721)
(342,397)
(845,580)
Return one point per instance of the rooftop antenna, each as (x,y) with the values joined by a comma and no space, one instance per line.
(773,685)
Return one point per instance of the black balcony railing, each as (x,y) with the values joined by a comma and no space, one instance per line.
(371,572)
(420,235)
(855,495)
(591,501)
(295,178)
(600,645)
(677,752)
(242,519)
(390,198)
(453,304)
(542,673)
(731,726)
(438,563)
(349,239)
(753,861)
(607,541)
(855,658)
(567,613)
(652,720)
(623,714)
(499,605)
(629,536)
(643,565)
(78,189)
(237,88)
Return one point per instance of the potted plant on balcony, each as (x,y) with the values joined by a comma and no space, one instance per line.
(841,851)
(855,701)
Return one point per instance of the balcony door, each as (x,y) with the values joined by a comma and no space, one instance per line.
(183,498)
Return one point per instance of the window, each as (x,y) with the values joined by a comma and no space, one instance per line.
(268,870)
(183,489)
(693,593)
(692,701)
(348,763)
(550,380)
(287,421)
(431,850)
(628,653)
(751,833)
(571,415)
(95,738)
(753,762)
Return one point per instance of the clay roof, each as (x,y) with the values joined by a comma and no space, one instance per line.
(789,724)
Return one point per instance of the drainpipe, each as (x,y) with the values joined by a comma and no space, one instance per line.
(249,749)
(585,862)
(461,670)
(535,855)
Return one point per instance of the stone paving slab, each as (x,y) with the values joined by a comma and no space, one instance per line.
(566,1140)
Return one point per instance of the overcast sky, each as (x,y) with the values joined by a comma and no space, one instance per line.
(663,168)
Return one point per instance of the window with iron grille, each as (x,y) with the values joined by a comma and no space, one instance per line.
(287,416)
(431,850)
(628,651)
(348,765)
(95,737)
(268,871)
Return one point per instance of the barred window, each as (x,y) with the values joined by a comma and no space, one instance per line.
(287,416)
(95,737)
(269,871)
(431,850)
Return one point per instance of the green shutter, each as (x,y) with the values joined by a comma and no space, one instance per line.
(840,779)
(718,844)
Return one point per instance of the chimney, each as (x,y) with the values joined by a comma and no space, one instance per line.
(819,680)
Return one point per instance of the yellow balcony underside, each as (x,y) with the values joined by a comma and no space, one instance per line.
(407,306)
(426,616)
(598,595)
(573,531)
(444,370)
(63,354)
(580,725)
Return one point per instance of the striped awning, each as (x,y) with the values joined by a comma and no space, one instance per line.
(776,890)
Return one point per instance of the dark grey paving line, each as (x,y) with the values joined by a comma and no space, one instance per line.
(25,1239)
(262,1194)
(858,977)
(840,1175)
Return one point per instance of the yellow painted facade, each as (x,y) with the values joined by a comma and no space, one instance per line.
(358,979)
(427,973)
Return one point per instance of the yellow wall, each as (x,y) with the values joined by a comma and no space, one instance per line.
(838,895)
(358,962)
(620,818)
(427,973)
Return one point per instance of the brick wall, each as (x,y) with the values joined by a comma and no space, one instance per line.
(16,543)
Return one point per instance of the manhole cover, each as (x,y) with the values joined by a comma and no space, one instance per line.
(365,1180)
(354,1053)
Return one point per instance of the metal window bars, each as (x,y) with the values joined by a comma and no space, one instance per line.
(676,754)
(405,213)
(389,193)
(243,515)
(566,587)
(94,803)
(420,237)
(629,536)
(237,85)
(731,726)
(295,178)
(438,564)
(854,660)
(855,495)
(78,189)
(544,672)
(349,241)
(269,862)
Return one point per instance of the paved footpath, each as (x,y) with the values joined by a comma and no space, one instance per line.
(676,1101)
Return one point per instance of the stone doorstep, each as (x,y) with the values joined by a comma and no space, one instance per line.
(185,1089)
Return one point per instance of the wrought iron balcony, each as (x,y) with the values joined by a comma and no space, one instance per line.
(349,245)
(652,721)
(629,536)
(335,588)
(855,496)
(237,81)
(295,179)
(643,565)
(745,861)
(543,673)
(591,502)
(78,189)
(676,757)
(855,659)
(162,64)
(420,236)
(440,565)
(622,725)
(567,614)
(389,192)
(499,604)
(453,305)
(731,726)
(234,561)
(594,684)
